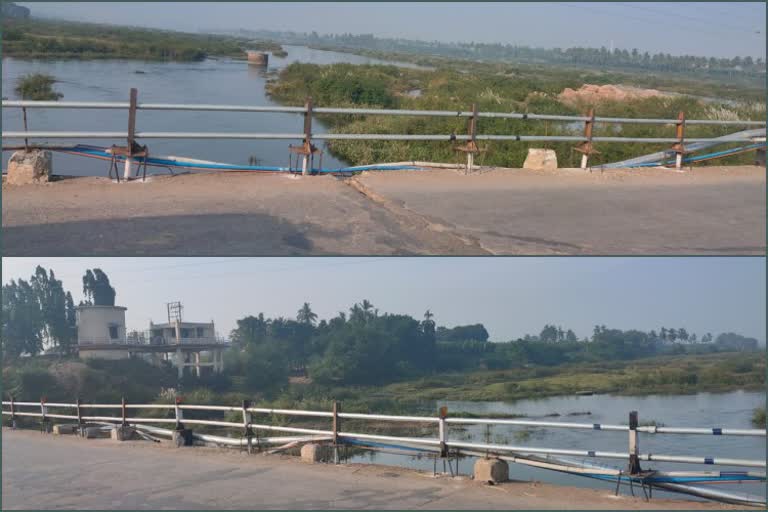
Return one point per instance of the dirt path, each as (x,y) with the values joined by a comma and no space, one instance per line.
(501,211)
(67,472)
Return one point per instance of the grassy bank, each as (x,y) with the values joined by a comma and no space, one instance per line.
(51,39)
(495,88)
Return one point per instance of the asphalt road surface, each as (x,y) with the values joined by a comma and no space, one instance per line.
(707,211)
(42,471)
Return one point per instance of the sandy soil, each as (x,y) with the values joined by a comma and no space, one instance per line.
(48,472)
(718,210)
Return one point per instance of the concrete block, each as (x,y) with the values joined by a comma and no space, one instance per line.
(60,430)
(28,167)
(182,437)
(94,432)
(315,452)
(121,433)
(541,160)
(491,471)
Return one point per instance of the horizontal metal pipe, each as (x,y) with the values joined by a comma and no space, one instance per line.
(64,104)
(148,420)
(210,408)
(704,431)
(528,449)
(101,406)
(61,416)
(526,423)
(212,423)
(387,417)
(353,136)
(703,460)
(376,437)
(149,406)
(290,429)
(361,111)
(17,413)
(31,404)
(55,404)
(291,412)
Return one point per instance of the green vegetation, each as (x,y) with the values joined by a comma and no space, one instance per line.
(494,88)
(37,87)
(35,38)
(369,360)
(758,418)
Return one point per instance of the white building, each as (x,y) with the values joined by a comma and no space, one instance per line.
(101,333)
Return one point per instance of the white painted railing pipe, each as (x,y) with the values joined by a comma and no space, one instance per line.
(377,437)
(359,111)
(526,423)
(720,461)
(209,408)
(529,449)
(388,417)
(150,406)
(290,429)
(291,412)
(211,423)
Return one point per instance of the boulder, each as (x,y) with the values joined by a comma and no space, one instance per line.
(541,160)
(29,167)
(94,432)
(491,471)
(59,430)
(121,433)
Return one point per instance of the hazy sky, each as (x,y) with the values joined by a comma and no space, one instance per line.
(721,29)
(511,296)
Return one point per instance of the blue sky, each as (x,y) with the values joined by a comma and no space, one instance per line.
(721,29)
(511,296)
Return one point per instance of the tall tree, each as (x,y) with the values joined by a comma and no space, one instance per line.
(97,289)
(306,315)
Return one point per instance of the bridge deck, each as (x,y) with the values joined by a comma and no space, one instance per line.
(45,472)
(710,210)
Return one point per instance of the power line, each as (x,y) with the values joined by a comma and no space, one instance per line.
(677,14)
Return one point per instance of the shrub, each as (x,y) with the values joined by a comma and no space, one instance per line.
(37,87)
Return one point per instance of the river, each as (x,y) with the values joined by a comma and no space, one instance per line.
(213,81)
(732,410)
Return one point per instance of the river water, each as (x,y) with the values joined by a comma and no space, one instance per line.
(213,81)
(732,410)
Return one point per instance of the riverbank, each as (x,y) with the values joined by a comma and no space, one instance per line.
(57,39)
(710,210)
(152,476)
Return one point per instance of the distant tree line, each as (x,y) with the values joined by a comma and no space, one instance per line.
(579,56)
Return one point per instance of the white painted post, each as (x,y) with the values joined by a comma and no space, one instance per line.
(584,161)
(679,161)
(470,162)
(127,170)
(179,414)
(197,364)
(442,432)
(305,166)
(179,363)
(247,420)
(634,446)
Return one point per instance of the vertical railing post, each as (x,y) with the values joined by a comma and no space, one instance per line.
(247,431)
(43,411)
(679,147)
(13,413)
(122,408)
(336,427)
(179,414)
(472,139)
(131,133)
(443,432)
(307,136)
(78,403)
(634,447)
(26,128)
(589,125)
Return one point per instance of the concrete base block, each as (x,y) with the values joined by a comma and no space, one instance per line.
(121,433)
(94,433)
(314,452)
(541,160)
(182,437)
(28,167)
(59,430)
(491,471)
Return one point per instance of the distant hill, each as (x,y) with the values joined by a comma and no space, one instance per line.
(11,10)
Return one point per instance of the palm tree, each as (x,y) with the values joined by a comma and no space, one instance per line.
(306,315)
(428,315)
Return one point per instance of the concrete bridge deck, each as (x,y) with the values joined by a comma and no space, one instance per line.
(42,471)
(709,211)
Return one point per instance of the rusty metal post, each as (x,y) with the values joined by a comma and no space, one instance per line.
(679,147)
(336,426)
(586,147)
(472,139)
(247,430)
(179,415)
(78,403)
(131,133)
(43,419)
(122,408)
(634,446)
(26,128)
(443,432)
(307,136)
(13,413)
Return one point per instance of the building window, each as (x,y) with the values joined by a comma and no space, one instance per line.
(113,332)
(200,332)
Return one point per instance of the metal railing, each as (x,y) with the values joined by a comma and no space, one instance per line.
(584,141)
(441,443)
